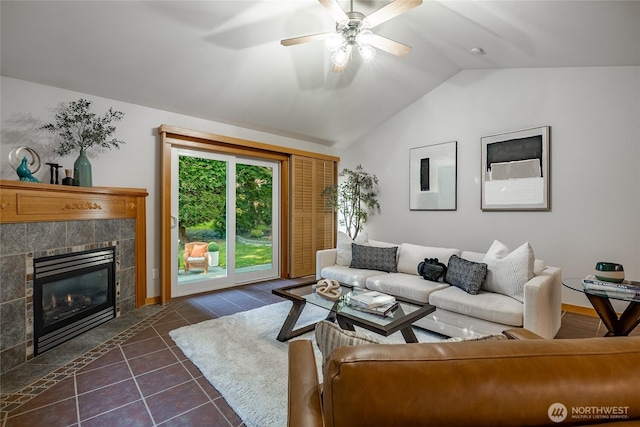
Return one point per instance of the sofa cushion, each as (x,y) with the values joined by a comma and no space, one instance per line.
(402,285)
(473,256)
(381,244)
(466,275)
(412,255)
(347,275)
(374,258)
(486,305)
(508,272)
(330,336)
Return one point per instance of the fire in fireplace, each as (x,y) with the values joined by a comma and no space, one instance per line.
(72,293)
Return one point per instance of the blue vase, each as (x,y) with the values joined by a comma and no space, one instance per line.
(82,170)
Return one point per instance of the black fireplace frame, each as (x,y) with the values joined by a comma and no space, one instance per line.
(50,269)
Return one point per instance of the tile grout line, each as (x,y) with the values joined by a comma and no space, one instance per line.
(135,381)
(194,379)
(75,396)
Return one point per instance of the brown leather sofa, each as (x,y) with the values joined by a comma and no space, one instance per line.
(521,382)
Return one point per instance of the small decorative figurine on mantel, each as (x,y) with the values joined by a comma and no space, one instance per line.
(24,173)
(68,180)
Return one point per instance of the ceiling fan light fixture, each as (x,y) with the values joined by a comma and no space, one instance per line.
(341,55)
(353,30)
(364,37)
(334,41)
(366,53)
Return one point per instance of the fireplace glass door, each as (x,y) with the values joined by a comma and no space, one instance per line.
(72,294)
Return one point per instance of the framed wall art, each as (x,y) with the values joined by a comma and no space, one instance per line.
(516,171)
(433,176)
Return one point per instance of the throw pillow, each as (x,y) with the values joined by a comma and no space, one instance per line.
(466,275)
(330,336)
(198,251)
(374,258)
(343,254)
(507,273)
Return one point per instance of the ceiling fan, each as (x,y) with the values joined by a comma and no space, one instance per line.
(353,30)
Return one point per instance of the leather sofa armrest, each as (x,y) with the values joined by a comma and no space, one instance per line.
(304,406)
(325,258)
(521,334)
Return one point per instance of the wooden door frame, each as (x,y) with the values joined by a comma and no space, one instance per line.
(176,137)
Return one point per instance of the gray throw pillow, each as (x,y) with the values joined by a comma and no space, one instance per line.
(466,275)
(374,258)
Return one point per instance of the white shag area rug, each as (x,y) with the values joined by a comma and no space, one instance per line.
(242,359)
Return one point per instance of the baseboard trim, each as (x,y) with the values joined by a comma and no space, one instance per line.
(578,309)
(152,300)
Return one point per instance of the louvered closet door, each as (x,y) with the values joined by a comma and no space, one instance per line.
(325,230)
(312,223)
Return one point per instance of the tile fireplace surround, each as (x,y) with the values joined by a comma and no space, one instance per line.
(41,220)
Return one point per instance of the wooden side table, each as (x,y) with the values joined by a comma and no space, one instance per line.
(601,302)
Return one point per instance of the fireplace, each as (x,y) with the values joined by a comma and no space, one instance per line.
(44,220)
(73,293)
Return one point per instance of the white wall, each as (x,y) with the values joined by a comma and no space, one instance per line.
(26,106)
(594,114)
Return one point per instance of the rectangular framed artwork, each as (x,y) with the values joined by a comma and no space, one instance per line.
(433,175)
(515,171)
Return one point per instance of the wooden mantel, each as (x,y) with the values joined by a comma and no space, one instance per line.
(35,202)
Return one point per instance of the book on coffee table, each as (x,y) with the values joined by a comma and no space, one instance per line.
(372,299)
(624,289)
(382,310)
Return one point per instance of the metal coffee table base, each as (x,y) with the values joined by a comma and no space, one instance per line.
(287,332)
(407,332)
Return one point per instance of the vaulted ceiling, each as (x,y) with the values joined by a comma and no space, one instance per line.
(222,60)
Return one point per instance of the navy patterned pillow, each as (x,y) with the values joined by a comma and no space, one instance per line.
(466,275)
(374,258)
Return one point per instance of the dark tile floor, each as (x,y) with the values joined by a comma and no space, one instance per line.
(141,378)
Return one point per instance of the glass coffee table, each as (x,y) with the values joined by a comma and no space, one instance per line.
(601,302)
(399,319)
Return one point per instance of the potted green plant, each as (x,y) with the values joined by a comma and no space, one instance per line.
(353,197)
(214,252)
(80,129)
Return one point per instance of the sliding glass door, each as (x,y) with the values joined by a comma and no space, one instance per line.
(224,220)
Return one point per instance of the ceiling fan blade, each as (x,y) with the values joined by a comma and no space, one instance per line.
(391,46)
(389,11)
(304,39)
(334,10)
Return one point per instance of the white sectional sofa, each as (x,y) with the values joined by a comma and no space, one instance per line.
(529,299)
